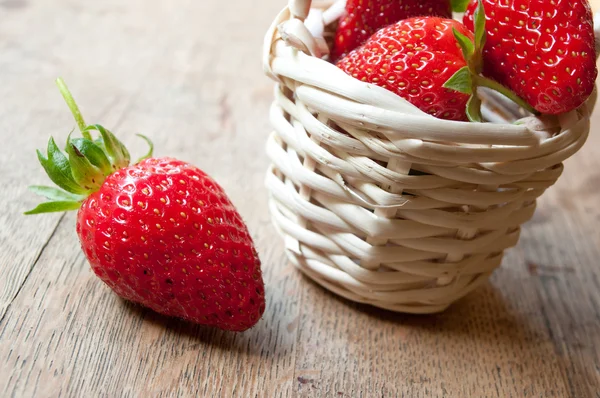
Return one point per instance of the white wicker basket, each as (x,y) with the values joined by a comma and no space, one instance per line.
(382,203)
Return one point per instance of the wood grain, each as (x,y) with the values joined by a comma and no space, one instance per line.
(187,73)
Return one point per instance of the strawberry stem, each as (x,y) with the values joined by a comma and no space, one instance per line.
(64,90)
(482,81)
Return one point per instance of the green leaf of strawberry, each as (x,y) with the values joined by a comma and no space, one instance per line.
(459,5)
(466,44)
(58,168)
(480,32)
(84,172)
(150,148)
(93,153)
(474,109)
(461,81)
(55,206)
(55,194)
(115,150)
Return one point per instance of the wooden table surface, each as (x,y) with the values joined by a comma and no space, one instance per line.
(187,73)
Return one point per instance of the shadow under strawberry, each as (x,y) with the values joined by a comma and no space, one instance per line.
(241,343)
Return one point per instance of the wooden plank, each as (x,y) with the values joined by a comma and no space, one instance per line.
(53,341)
(32,110)
(192,82)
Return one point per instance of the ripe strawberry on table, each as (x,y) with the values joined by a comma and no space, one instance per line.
(414,58)
(160,233)
(542,50)
(364,17)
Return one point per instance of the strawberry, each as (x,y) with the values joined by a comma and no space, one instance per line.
(542,50)
(160,233)
(364,17)
(414,58)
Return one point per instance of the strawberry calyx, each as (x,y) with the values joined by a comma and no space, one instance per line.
(85,166)
(467,79)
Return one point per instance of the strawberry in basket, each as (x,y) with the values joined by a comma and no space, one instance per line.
(414,58)
(160,233)
(438,64)
(364,17)
(542,50)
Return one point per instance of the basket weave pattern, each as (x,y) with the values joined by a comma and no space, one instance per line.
(382,203)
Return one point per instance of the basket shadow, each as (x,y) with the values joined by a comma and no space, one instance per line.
(464,308)
(484,326)
(486,299)
(486,302)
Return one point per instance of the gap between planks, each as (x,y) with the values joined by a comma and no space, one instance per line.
(37,258)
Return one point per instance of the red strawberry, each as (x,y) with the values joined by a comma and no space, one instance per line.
(160,233)
(365,17)
(414,58)
(542,50)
